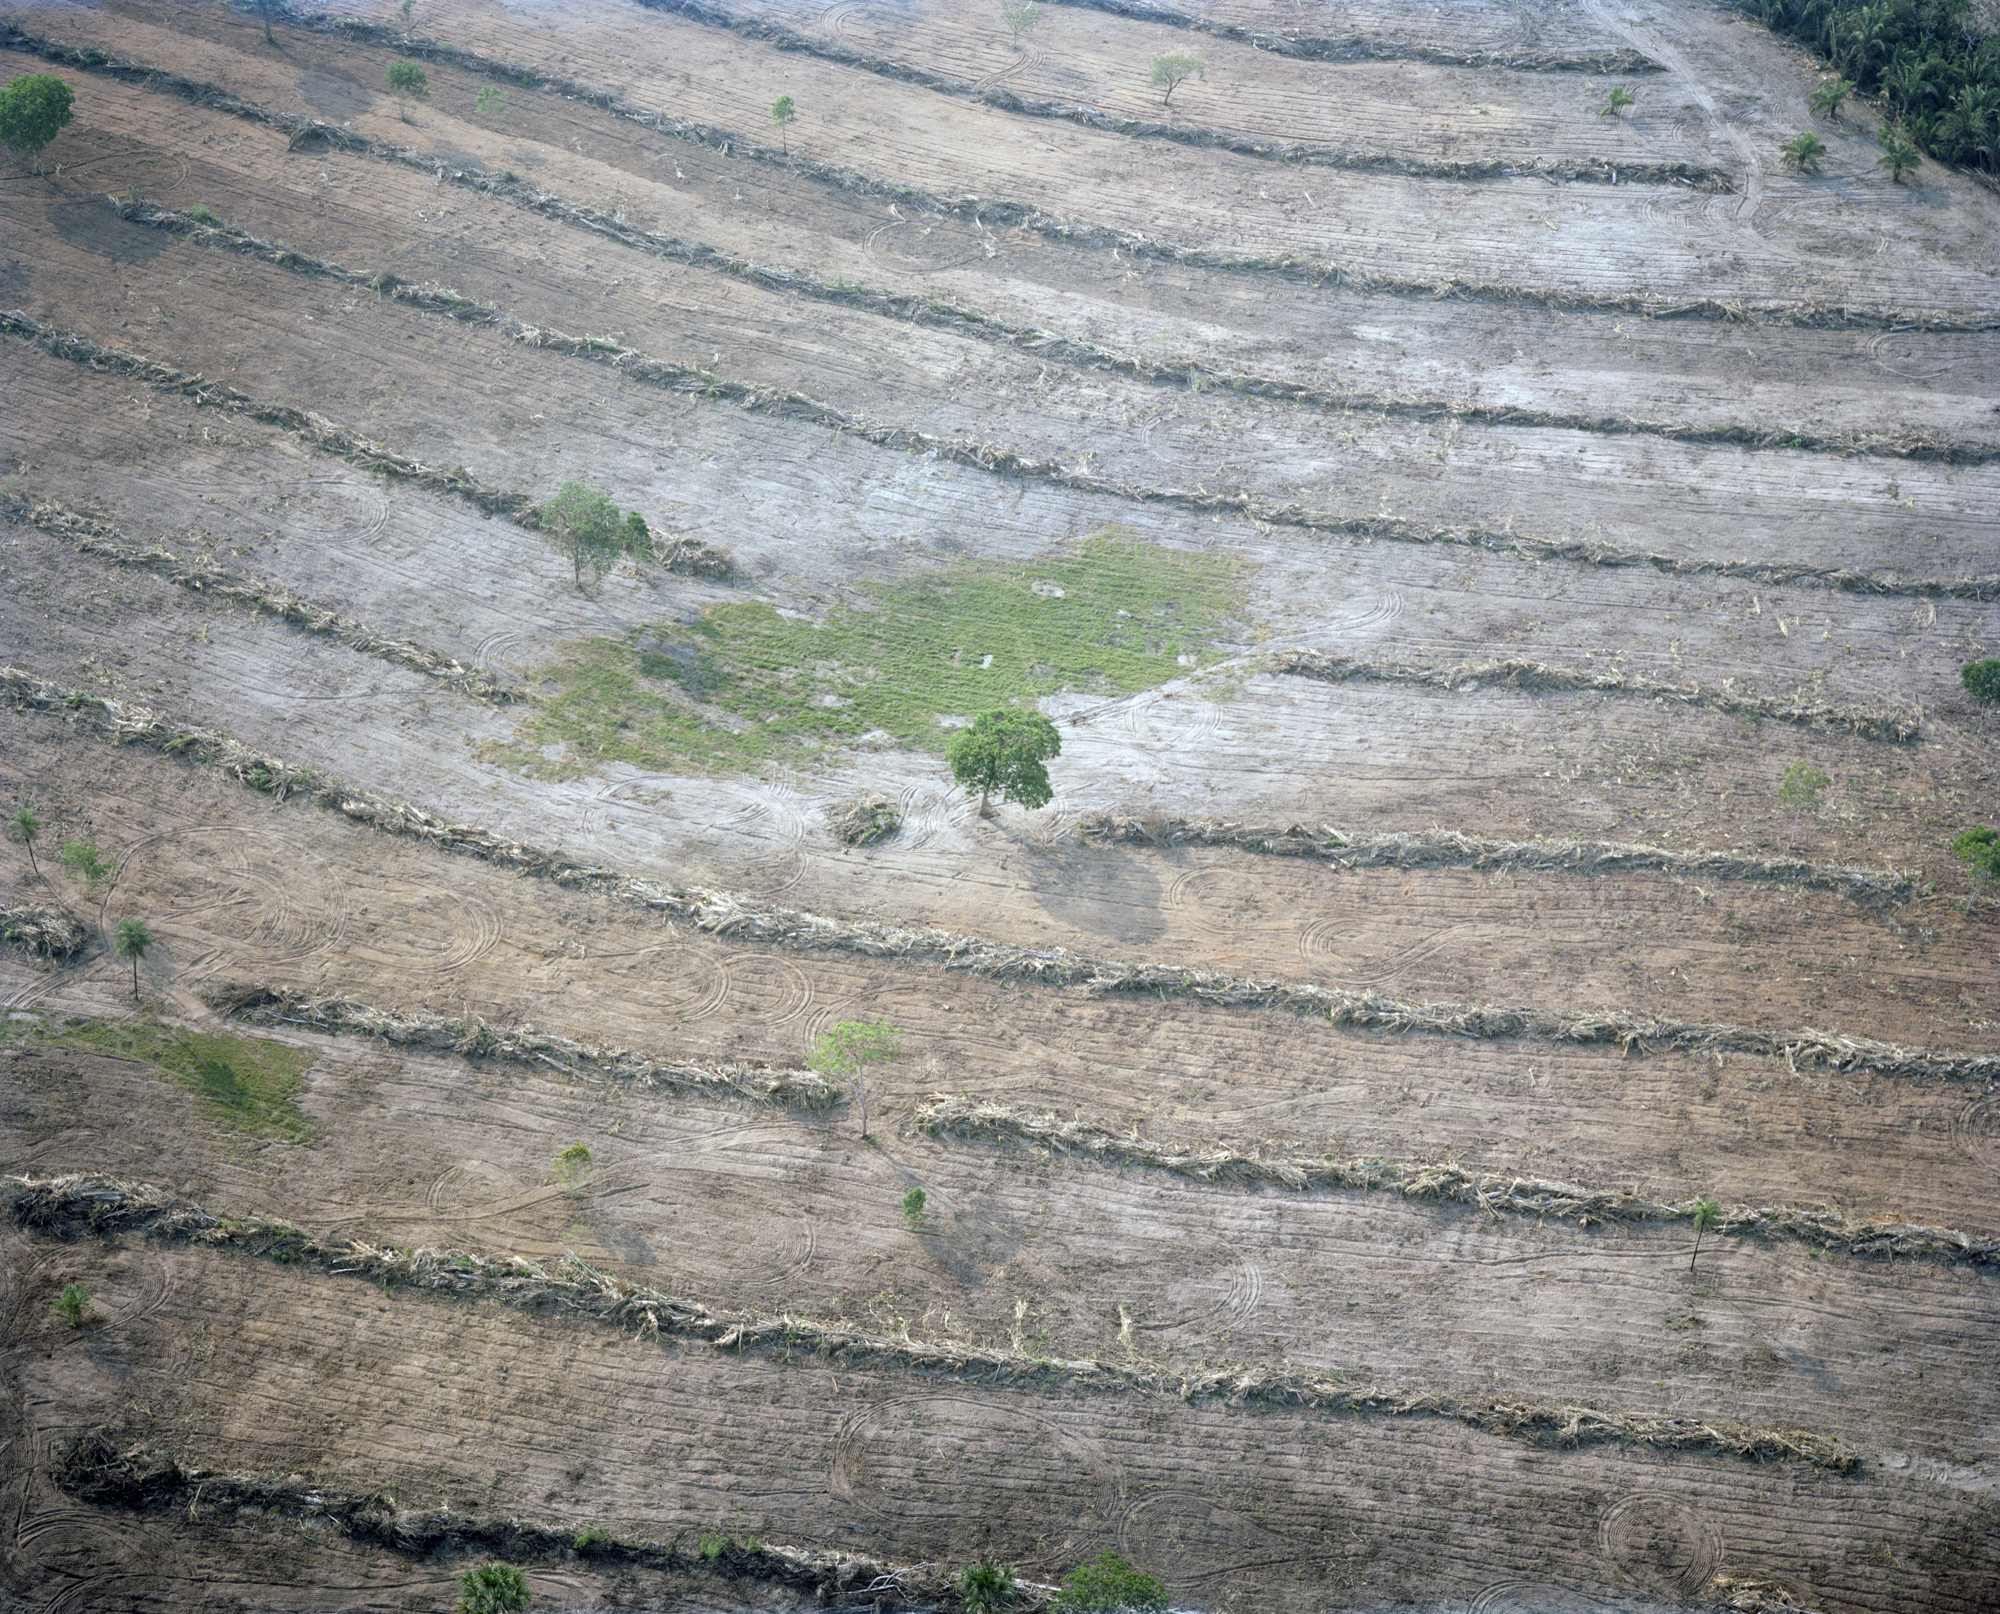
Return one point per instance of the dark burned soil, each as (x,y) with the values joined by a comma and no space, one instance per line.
(1315,1107)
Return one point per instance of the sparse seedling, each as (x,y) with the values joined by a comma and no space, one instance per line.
(28,823)
(1020,16)
(1706,1214)
(913,1210)
(1173,70)
(782,113)
(1981,680)
(571,1166)
(1107,1583)
(584,527)
(846,1051)
(986,1587)
(1004,751)
(1979,850)
(407,80)
(1801,154)
(492,1589)
(1616,102)
(1829,93)
(1899,153)
(34,109)
(73,1304)
(132,941)
(86,863)
(490,102)
(1800,788)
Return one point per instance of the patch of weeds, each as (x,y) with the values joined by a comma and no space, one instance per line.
(201,215)
(83,860)
(746,682)
(711,1545)
(249,1082)
(1110,1582)
(590,1537)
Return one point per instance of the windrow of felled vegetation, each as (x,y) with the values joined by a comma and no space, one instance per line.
(1937,72)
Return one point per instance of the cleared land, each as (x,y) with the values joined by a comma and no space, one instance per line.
(1435,516)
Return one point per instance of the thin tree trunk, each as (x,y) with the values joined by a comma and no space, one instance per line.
(1698,1229)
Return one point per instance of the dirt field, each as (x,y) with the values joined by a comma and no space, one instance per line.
(1483,502)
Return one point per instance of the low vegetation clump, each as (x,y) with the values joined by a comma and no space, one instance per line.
(1801,154)
(1982,681)
(748,682)
(913,1210)
(572,1166)
(1108,1582)
(86,863)
(986,1587)
(492,1589)
(864,822)
(1899,154)
(249,1083)
(1979,850)
(73,1304)
(1800,788)
(1828,94)
(491,101)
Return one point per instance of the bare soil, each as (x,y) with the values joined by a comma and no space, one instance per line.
(1450,368)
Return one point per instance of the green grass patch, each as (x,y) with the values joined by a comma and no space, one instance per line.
(249,1082)
(747,682)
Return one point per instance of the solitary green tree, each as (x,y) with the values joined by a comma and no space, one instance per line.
(913,1209)
(1979,850)
(1616,102)
(73,1302)
(132,940)
(28,824)
(34,109)
(1802,154)
(846,1051)
(584,527)
(1173,70)
(1800,787)
(1004,751)
(1899,153)
(782,113)
(492,1589)
(1706,1214)
(407,79)
(1020,16)
(1829,93)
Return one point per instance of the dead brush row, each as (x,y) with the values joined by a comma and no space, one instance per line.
(676,554)
(202,575)
(122,1472)
(951,1117)
(1362,48)
(727,916)
(53,933)
(1873,889)
(472,1038)
(1300,153)
(306,131)
(1513,672)
(692,556)
(72,1206)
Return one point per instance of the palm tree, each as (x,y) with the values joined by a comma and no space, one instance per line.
(132,941)
(28,824)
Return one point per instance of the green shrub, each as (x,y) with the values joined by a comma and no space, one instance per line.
(1899,154)
(1979,850)
(584,527)
(492,1589)
(571,1165)
(201,215)
(1982,681)
(636,536)
(1829,93)
(83,860)
(986,1587)
(1615,102)
(490,99)
(73,1303)
(913,1208)
(1108,1582)
(1801,154)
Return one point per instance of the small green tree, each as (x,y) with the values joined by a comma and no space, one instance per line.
(1616,102)
(34,109)
(1981,680)
(28,824)
(1801,155)
(1979,850)
(84,861)
(846,1051)
(913,1209)
(986,1587)
(584,527)
(636,536)
(1829,93)
(1107,1583)
(492,1589)
(1004,751)
(490,101)
(132,940)
(1899,153)
(1706,1214)
(407,79)
(72,1303)
(1800,787)
(1173,70)
(782,113)
(1020,16)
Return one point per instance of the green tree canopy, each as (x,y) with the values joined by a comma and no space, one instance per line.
(585,528)
(1004,751)
(1171,70)
(34,109)
(846,1051)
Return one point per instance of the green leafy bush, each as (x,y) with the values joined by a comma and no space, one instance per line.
(73,1302)
(1982,680)
(1109,1583)
(584,527)
(1899,154)
(986,1587)
(913,1209)
(1802,153)
(492,1589)
(83,860)
(1829,93)
(1979,850)
(1615,102)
